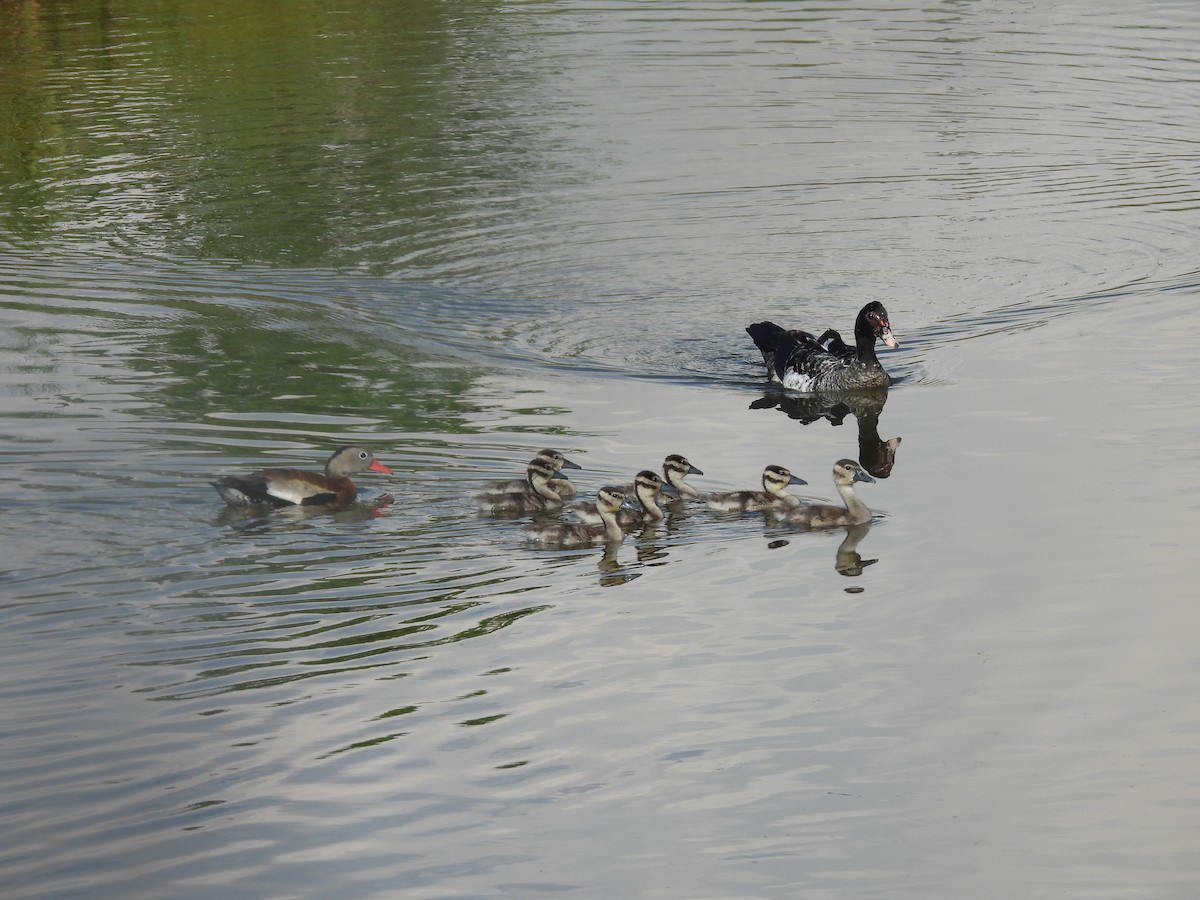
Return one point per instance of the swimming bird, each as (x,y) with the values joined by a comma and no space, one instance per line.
(799,361)
(775,482)
(564,488)
(297,487)
(539,491)
(675,469)
(820,515)
(647,489)
(580,534)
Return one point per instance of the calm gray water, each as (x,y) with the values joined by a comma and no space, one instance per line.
(459,232)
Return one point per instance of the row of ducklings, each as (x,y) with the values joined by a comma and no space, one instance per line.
(605,519)
(544,487)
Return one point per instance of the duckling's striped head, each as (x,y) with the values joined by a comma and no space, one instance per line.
(557,460)
(539,471)
(776,479)
(647,481)
(679,467)
(847,471)
(609,499)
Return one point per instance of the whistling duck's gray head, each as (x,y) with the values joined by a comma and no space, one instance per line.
(351,460)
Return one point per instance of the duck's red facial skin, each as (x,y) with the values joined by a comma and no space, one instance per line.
(883,330)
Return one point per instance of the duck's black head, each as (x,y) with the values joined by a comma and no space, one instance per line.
(873,320)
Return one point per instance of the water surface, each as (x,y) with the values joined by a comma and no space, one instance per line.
(457,233)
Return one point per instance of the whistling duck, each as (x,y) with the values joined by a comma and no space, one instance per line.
(296,487)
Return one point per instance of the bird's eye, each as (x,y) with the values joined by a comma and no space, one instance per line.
(362,454)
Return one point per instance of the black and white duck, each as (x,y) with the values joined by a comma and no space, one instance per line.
(648,489)
(580,534)
(820,515)
(774,495)
(551,457)
(801,362)
(539,491)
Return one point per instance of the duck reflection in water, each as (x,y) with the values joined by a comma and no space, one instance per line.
(848,561)
(876,454)
(257,519)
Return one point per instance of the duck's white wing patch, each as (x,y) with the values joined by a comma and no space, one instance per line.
(291,491)
(798,381)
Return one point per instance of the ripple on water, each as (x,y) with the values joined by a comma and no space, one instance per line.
(552,232)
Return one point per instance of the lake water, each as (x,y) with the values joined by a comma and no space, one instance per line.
(455,232)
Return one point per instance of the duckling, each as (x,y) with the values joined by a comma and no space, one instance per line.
(845,473)
(539,491)
(647,488)
(555,459)
(675,469)
(774,495)
(580,534)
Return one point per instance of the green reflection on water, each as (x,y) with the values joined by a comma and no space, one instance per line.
(232,361)
(300,133)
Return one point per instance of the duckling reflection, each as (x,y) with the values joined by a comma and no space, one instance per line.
(877,455)
(848,561)
(648,488)
(549,456)
(539,492)
(774,495)
(650,547)
(819,515)
(612,573)
(580,534)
